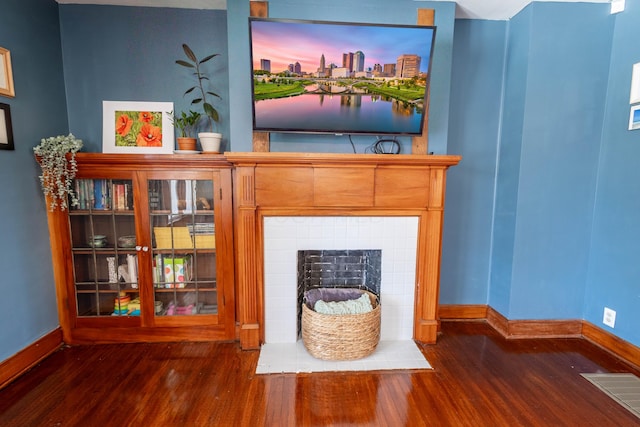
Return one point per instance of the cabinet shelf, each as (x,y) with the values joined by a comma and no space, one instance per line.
(181,251)
(167,212)
(170,290)
(107,250)
(105,291)
(98,212)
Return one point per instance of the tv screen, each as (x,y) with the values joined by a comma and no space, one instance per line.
(340,78)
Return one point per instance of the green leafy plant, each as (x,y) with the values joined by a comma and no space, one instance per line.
(57,157)
(186,123)
(202,80)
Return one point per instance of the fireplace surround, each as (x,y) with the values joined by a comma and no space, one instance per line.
(316,184)
(391,274)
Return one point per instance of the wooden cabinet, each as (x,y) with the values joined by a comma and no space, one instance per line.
(147,255)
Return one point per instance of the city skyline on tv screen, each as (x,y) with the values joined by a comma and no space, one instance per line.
(343,78)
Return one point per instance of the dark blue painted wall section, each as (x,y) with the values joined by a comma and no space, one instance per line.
(128,54)
(29,29)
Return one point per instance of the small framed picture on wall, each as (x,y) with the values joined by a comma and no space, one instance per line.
(6,76)
(634,96)
(6,131)
(634,118)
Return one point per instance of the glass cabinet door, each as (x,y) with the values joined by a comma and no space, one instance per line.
(103,244)
(183,246)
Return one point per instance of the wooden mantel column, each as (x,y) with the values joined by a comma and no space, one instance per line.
(311,184)
(246,245)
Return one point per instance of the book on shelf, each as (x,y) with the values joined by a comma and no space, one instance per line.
(77,187)
(202,228)
(93,194)
(155,195)
(101,196)
(122,195)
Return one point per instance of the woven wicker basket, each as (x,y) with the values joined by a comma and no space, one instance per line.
(341,337)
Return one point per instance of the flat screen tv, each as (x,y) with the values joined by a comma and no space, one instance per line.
(339,78)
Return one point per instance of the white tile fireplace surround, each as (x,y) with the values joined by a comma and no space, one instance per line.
(284,236)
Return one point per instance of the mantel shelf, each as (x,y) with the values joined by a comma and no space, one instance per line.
(241,158)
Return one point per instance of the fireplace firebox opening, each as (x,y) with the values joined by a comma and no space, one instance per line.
(349,268)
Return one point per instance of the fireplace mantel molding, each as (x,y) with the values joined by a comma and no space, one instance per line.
(317,184)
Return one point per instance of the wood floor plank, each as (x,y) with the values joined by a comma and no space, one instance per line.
(479,379)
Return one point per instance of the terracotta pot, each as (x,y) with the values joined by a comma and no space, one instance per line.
(186,144)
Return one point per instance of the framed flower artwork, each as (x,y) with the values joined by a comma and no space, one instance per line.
(137,127)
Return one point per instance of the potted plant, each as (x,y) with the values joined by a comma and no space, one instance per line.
(186,125)
(57,158)
(210,141)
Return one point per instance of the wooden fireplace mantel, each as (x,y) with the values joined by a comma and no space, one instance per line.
(315,184)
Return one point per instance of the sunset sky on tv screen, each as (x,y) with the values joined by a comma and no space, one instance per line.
(285,43)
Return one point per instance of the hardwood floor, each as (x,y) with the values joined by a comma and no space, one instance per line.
(479,379)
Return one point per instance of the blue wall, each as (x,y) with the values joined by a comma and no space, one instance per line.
(30,30)
(509,154)
(541,219)
(563,241)
(564,107)
(549,146)
(396,12)
(128,54)
(476,97)
(614,265)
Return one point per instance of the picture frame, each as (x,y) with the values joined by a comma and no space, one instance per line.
(634,95)
(137,127)
(634,118)
(6,75)
(6,131)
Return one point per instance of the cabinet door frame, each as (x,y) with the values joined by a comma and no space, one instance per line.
(77,321)
(222,211)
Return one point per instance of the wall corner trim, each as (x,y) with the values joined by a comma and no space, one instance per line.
(16,365)
(542,329)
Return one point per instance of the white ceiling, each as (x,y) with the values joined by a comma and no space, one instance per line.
(465,9)
(499,9)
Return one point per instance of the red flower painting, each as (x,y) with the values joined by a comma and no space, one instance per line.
(138,128)
(149,136)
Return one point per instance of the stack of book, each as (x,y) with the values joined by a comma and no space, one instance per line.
(203,234)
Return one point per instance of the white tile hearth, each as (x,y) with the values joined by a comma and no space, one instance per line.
(278,358)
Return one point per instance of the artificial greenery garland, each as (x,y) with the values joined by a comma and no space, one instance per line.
(58,171)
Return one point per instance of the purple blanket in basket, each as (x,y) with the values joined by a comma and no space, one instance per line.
(330,294)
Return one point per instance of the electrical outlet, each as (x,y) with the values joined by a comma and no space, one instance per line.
(609,317)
